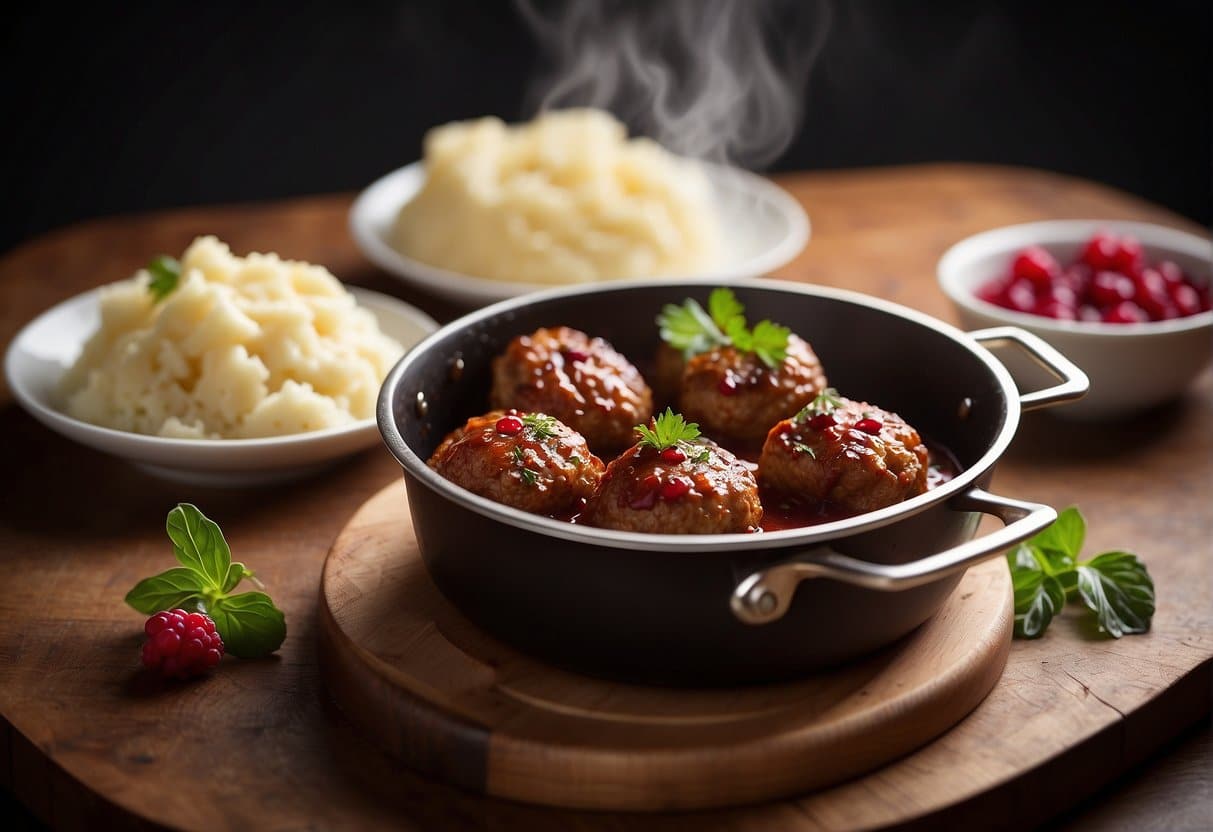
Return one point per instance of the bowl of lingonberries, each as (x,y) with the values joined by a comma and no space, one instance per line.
(1128,302)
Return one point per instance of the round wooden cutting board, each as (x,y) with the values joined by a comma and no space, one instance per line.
(450,701)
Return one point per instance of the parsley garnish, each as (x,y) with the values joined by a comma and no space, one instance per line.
(165,272)
(800,447)
(576,460)
(249,623)
(541,426)
(518,454)
(703,456)
(529,476)
(669,429)
(1045,572)
(692,330)
(824,402)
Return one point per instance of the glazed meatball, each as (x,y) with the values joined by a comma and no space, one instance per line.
(689,489)
(850,455)
(529,461)
(580,380)
(733,394)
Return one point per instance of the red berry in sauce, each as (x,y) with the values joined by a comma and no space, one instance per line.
(868,426)
(674,488)
(727,385)
(180,644)
(509,425)
(822,421)
(573,356)
(1101,251)
(1036,266)
(673,455)
(645,494)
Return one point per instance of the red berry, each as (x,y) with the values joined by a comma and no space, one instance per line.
(509,425)
(645,494)
(992,291)
(1128,256)
(727,385)
(1151,294)
(1036,266)
(868,425)
(573,356)
(1100,252)
(674,488)
(1087,312)
(1077,276)
(1171,272)
(673,455)
(1186,299)
(1020,296)
(1125,312)
(156,623)
(822,421)
(1110,288)
(1056,310)
(183,644)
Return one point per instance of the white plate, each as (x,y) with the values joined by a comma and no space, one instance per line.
(44,350)
(763,228)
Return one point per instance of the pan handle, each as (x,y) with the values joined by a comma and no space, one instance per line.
(1074,382)
(765,595)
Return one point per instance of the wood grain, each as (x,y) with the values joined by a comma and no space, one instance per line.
(91,744)
(433,690)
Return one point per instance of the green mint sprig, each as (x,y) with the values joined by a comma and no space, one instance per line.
(1046,572)
(165,272)
(692,330)
(249,623)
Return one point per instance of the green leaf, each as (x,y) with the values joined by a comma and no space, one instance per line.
(668,430)
(824,402)
(770,343)
(165,273)
(236,573)
(541,426)
(166,591)
(250,624)
(1061,541)
(199,545)
(1038,597)
(724,306)
(1117,587)
(688,328)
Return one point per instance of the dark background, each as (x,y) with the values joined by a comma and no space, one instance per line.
(110,109)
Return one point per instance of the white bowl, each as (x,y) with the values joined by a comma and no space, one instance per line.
(762,226)
(44,350)
(1131,366)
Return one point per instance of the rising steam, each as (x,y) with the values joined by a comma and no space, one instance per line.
(721,80)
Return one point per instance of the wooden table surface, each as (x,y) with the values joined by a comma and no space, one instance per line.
(86,740)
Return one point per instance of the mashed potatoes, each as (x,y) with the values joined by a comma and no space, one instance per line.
(566,198)
(243,347)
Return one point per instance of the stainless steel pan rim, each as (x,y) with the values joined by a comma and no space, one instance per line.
(1073,384)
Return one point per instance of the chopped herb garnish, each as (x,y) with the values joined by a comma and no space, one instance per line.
(165,272)
(802,448)
(529,476)
(576,460)
(703,456)
(518,454)
(692,330)
(669,429)
(824,402)
(541,426)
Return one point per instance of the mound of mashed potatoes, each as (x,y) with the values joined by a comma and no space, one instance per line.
(243,347)
(566,198)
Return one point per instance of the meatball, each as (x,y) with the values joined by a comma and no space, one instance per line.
(733,394)
(580,380)
(688,489)
(850,455)
(668,366)
(526,460)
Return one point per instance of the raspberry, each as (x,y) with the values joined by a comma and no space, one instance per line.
(181,644)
